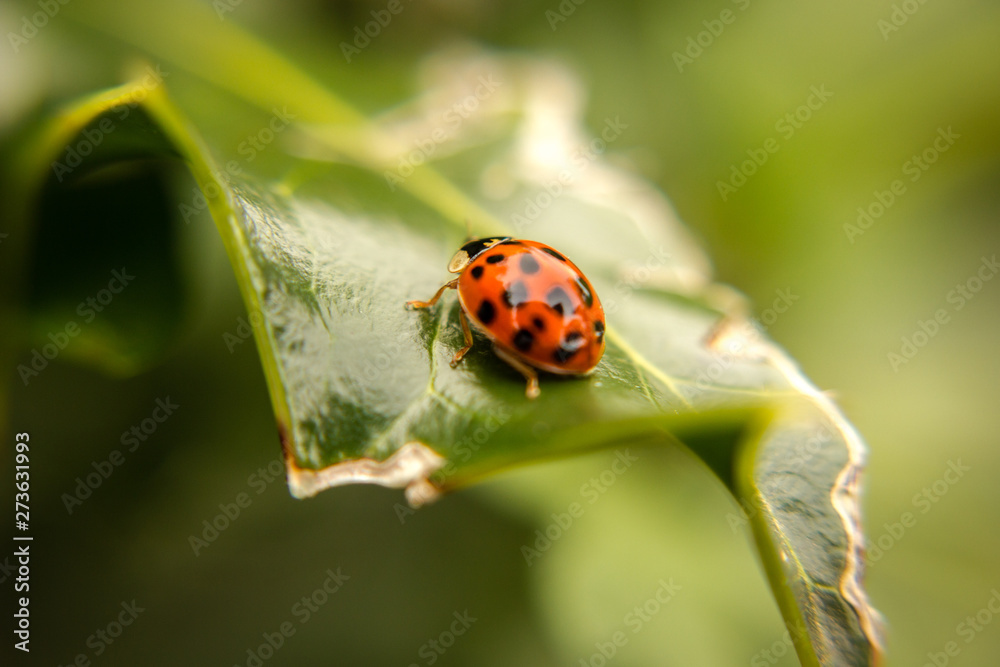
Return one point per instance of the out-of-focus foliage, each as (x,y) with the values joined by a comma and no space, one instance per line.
(850,299)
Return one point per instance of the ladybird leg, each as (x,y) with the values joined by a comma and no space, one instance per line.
(530,374)
(467,332)
(414,305)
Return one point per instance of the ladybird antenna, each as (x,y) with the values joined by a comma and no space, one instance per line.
(468,231)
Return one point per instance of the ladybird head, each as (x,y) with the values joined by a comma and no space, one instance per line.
(471,250)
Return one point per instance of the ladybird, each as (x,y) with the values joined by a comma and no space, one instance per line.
(535,306)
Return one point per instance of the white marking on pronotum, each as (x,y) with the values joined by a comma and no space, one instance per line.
(409,468)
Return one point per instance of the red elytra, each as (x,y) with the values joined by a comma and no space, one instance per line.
(535,305)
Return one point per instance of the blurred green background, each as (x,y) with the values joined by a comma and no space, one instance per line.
(894,76)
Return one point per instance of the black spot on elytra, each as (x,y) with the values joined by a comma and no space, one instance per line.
(599,329)
(477,272)
(523,340)
(585,292)
(562,354)
(529,264)
(494,259)
(554,254)
(572,343)
(486,312)
(516,294)
(559,301)
(539,323)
